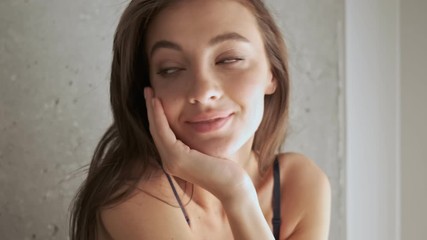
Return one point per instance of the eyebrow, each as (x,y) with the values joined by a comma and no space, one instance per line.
(214,41)
(226,37)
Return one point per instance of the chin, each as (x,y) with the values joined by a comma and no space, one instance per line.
(221,149)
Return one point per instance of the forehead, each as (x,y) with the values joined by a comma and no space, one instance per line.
(199,20)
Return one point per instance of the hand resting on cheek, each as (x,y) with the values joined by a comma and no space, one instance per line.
(212,173)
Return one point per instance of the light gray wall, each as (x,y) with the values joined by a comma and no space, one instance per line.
(314,31)
(386,120)
(54,67)
(372,119)
(414,118)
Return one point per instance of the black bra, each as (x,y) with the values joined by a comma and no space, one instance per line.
(276,221)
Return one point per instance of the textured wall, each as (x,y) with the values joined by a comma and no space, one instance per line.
(54,67)
(53,107)
(314,33)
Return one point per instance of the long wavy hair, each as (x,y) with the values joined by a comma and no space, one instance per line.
(126,151)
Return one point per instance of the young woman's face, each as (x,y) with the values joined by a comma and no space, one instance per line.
(209,69)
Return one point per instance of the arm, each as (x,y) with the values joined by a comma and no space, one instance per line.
(234,189)
(245,215)
(144,217)
(309,198)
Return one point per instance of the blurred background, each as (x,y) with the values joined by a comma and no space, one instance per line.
(358,108)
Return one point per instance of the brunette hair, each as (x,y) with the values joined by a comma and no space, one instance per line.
(126,149)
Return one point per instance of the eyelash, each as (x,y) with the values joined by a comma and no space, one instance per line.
(169,71)
(172,70)
(230,60)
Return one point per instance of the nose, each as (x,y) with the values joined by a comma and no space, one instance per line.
(204,89)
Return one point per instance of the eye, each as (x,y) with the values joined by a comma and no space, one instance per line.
(230,60)
(169,71)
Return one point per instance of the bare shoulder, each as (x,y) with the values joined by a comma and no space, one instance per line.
(300,171)
(306,197)
(146,214)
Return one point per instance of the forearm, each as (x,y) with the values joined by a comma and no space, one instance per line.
(246,218)
(234,188)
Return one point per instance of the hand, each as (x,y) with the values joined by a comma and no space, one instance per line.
(223,178)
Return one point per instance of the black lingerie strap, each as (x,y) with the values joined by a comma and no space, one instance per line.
(187,218)
(276,200)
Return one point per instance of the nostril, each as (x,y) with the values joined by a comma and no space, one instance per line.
(204,90)
(205,98)
(192,101)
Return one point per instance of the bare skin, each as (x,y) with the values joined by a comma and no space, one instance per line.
(305,207)
(205,104)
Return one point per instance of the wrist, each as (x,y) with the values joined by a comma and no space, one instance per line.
(245,215)
(240,196)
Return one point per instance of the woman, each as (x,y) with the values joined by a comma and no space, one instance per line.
(199,93)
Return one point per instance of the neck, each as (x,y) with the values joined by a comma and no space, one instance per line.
(244,156)
(206,200)
(247,159)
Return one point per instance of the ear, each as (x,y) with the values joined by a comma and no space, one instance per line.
(271,85)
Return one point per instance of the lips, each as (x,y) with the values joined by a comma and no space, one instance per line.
(209,122)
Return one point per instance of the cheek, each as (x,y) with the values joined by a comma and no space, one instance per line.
(170,103)
(250,85)
(249,91)
(169,97)
(171,108)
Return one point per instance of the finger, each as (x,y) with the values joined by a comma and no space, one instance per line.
(163,130)
(148,95)
(159,126)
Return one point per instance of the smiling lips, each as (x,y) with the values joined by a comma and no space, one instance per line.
(208,123)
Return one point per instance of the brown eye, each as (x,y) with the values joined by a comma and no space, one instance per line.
(169,71)
(229,60)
